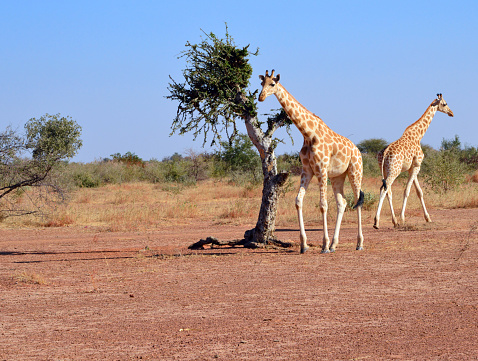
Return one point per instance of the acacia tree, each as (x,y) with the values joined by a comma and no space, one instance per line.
(213,97)
(27,161)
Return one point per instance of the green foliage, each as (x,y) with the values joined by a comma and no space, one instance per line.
(85,180)
(372,146)
(239,160)
(52,138)
(469,156)
(369,202)
(290,163)
(128,158)
(239,154)
(370,165)
(443,170)
(31,161)
(452,145)
(213,94)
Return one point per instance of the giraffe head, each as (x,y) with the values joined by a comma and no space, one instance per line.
(442,106)
(268,83)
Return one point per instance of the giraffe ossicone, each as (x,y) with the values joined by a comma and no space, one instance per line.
(326,155)
(405,154)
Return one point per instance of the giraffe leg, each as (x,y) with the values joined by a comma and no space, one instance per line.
(376,223)
(390,203)
(323,209)
(304,183)
(385,192)
(412,173)
(356,183)
(338,187)
(420,196)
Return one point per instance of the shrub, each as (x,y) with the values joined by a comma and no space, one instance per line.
(370,165)
(290,163)
(370,199)
(443,171)
(85,180)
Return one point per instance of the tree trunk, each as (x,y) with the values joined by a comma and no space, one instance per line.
(273,182)
(265,226)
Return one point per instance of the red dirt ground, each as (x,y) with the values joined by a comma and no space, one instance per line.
(74,294)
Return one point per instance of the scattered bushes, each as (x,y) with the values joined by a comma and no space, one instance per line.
(442,170)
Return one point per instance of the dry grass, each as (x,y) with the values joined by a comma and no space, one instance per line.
(143,206)
(30,278)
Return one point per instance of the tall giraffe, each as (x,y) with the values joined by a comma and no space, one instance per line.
(324,154)
(405,154)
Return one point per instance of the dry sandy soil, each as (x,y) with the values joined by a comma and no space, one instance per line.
(79,294)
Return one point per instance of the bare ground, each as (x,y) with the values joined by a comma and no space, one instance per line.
(76,294)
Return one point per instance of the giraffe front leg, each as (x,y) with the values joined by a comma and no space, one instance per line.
(304,183)
(338,188)
(390,203)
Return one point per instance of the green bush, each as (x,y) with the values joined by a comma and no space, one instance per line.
(370,165)
(85,180)
(369,202)
(443,171)
(289,163)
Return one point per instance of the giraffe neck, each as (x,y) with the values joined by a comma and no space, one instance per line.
(304,120)
(417,130)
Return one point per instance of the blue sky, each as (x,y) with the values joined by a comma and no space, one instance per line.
(367,68)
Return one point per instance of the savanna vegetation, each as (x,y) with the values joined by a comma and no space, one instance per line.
(124,192)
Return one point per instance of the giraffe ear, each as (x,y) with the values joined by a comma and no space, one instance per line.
(277,78)
(261,77)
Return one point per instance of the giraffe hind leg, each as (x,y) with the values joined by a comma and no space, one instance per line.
(304,183)
(356,183)
(338,188)
(420,196)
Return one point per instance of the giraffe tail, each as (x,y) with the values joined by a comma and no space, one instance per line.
(384,183)
(360,200)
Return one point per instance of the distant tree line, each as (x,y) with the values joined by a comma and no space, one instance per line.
(239,163)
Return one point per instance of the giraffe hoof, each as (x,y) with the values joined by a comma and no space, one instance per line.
(375,226)
(359,248)
(325,251)
(303,249)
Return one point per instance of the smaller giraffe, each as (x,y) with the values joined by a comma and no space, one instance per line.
(326,155)
(405,154)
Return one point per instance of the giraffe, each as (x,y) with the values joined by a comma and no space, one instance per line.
(405,154)
(325,154)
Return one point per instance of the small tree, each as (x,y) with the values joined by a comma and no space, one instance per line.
(372,146)
(240,158)
(213,97)
(130,159)
(27,162)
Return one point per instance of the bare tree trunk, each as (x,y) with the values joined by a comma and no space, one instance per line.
(273,181)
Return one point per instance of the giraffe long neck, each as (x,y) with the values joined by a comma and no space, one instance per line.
(304,120)
(417,130)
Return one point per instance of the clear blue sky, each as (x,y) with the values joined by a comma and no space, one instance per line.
(367,68)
